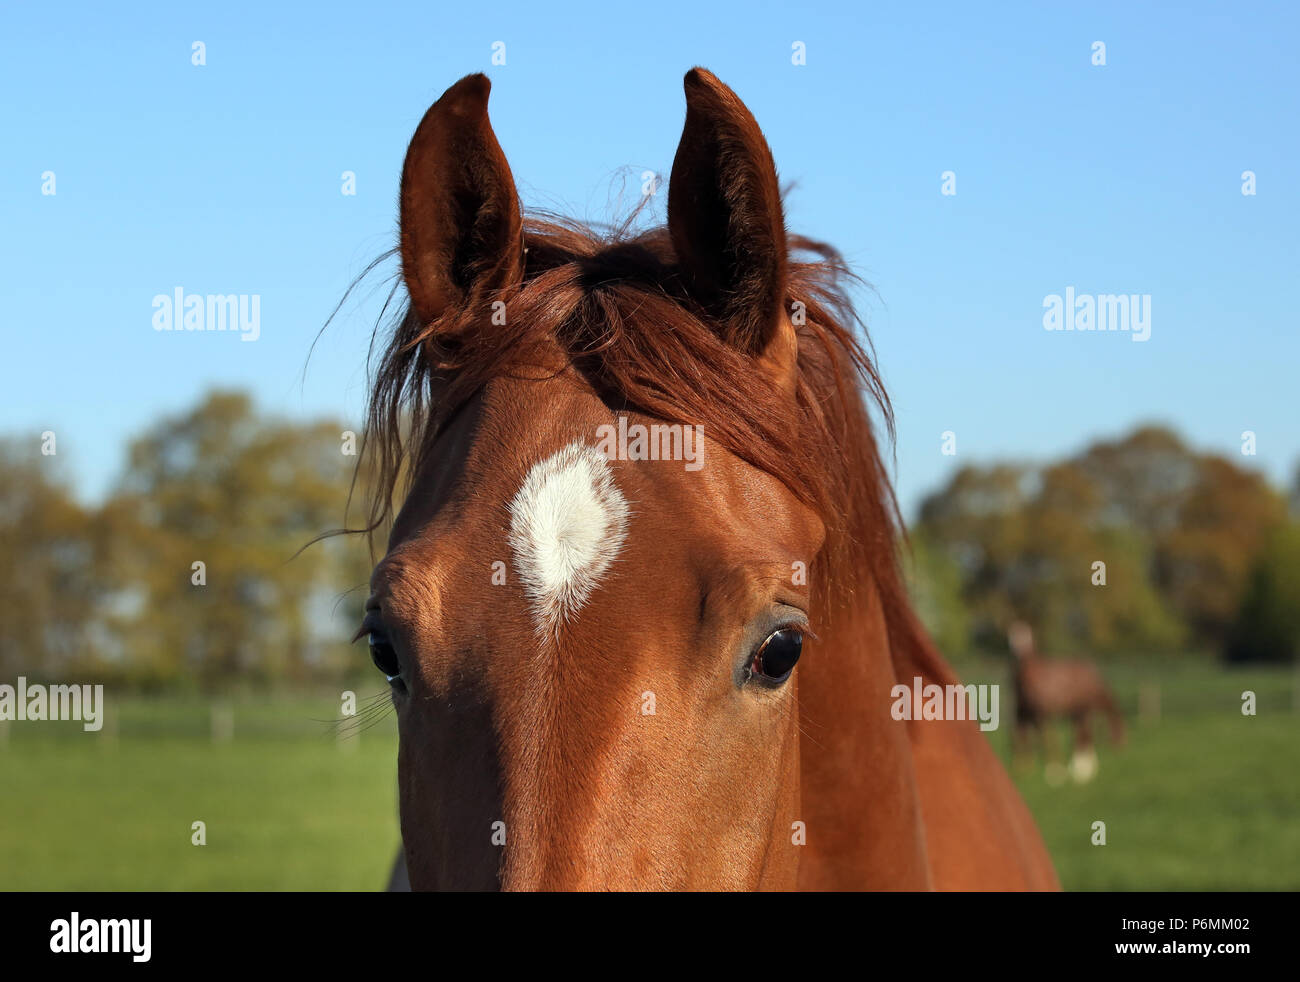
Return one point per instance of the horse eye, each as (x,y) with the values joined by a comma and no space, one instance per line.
(384,657)
(776,657)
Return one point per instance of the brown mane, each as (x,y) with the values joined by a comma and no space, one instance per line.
(615,304)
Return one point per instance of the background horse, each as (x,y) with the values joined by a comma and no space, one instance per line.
(592,637)
(1059,688)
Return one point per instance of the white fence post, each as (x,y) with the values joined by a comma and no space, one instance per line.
(223,722)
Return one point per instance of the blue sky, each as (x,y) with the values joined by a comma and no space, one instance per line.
(225,178)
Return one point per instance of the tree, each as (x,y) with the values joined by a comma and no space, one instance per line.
(1177,532)
(219,504)
(1267,625)
(1220,526)
(934,582)
(51,585)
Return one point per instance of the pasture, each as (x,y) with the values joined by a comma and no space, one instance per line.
(1202,797)
(287,805)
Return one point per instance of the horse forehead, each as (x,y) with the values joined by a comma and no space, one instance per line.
(568,522)
(527,471)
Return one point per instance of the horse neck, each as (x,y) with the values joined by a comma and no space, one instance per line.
(858,785)
(1027,662)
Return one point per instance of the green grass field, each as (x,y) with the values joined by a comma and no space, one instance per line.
(287,805)
(1201,798)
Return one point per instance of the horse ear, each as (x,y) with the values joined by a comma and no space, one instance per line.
(725,219)
(461,227)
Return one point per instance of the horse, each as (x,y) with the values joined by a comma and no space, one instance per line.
(639,482)
(1059,688)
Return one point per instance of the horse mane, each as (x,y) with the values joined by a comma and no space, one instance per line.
(613,301)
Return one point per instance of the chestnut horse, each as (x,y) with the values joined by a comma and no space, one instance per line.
(641,481)
(1049,689)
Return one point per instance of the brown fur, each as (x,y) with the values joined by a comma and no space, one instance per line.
(1049,689)
(690,323)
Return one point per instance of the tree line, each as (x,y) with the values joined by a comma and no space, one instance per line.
(193,571)
(1135,545)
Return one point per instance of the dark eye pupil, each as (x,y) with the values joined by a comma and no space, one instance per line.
(777,655)
(383,655)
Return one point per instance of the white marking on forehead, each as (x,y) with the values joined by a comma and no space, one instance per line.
(567,523)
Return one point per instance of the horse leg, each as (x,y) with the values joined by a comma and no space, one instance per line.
(1115,717)
(1083,759)
(1054,770)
